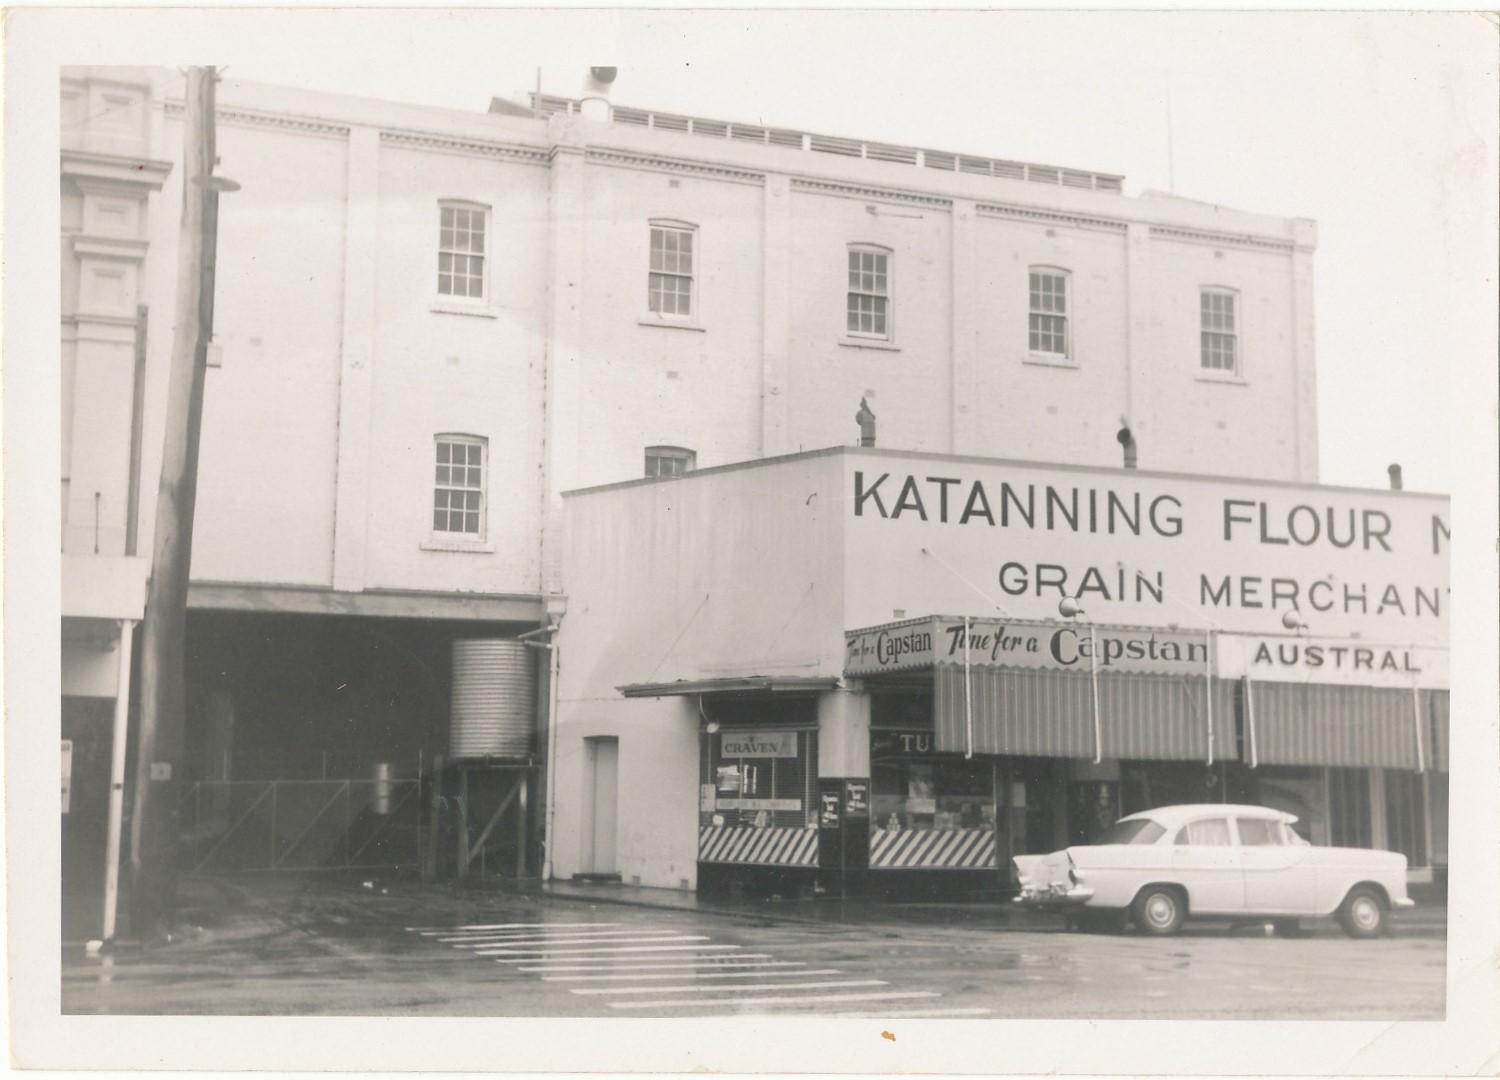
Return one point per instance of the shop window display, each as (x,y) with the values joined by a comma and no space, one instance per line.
(933,794)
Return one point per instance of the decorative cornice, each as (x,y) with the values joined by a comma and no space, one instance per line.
(661,163)
(1050,217)
(449,144)
(119,172)
(860,191)
(303,125)
(1221,239)
(110,247)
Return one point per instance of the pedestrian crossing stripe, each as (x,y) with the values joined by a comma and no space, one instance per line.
(794,999)
(827,984)
(529,944)
(962,849)
(762,847)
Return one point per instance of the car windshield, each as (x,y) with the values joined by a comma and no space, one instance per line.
(1132,831)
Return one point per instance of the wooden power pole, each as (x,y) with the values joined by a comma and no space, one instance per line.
(159,752)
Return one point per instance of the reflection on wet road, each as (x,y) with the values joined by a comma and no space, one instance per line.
(321,948)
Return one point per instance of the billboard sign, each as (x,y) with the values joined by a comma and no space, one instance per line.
(1009,540)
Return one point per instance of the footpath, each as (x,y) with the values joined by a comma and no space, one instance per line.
(1428,919)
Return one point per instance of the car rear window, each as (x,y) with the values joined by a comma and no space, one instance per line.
(1260,832)
(1135,831)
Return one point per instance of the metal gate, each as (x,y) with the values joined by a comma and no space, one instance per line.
(248,825)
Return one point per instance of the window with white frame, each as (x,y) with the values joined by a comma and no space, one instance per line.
(669,283)
(461,250)
(458,492)
(1219,348)
(668,461)
(869,313)
(1047,319)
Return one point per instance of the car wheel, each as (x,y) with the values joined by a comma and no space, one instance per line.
(1287,927)
(1362,915)
(1159,909)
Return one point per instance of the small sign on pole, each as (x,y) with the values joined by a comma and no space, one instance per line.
(67,774)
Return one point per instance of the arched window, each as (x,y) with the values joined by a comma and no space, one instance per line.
(668,461)
(869,299)
(458,502)
(1048,304)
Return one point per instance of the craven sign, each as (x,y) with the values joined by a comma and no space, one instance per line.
(921,643)
(779,744)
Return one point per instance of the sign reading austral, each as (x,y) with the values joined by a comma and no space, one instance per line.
(1001,643)
(1338,661)
(942,535)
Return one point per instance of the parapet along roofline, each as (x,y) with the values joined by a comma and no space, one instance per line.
(1020,463)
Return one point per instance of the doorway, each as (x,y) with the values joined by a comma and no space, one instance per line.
(601,789)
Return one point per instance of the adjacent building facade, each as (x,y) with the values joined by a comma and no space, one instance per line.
(430,324)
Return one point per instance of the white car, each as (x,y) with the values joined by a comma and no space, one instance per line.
(1216,860)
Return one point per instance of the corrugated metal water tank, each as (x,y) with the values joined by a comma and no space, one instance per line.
(494,699)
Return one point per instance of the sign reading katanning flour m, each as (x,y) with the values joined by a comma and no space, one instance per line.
(945,534)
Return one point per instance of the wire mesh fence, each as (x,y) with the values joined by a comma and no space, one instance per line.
(245,825)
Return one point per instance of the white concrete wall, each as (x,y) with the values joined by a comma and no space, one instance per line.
(339,368)
(1026,407)
(906,378)
(648,381)
(436,370)
(270,412)
(717,575)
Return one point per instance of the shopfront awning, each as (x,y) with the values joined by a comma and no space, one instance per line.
(745,684)
(1320,724)
(1039,713)
(1028,687)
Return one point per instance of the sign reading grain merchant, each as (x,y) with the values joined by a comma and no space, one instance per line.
(921,643)
(935,534)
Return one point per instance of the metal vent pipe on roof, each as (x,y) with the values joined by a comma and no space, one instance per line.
(1395,473)
(1127,443)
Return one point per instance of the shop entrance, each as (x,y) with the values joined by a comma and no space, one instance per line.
(601,792)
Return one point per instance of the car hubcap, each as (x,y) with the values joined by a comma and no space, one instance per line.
(1160,910)
(1366,914)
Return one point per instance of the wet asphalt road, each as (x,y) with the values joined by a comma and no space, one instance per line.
(288,948)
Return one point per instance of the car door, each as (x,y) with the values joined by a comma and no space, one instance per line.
(1280,876)
(1206,861)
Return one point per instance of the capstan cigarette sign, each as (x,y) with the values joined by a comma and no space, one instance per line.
(1014,643)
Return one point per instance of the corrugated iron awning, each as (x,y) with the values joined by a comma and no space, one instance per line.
(1030,712)
(1319,724)
(745,684)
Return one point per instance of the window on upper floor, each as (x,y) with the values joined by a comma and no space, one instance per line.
(458,494)
(462,264)
(1219,330)
(869,298)
(1047,307)
(669,461)
(669,281)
